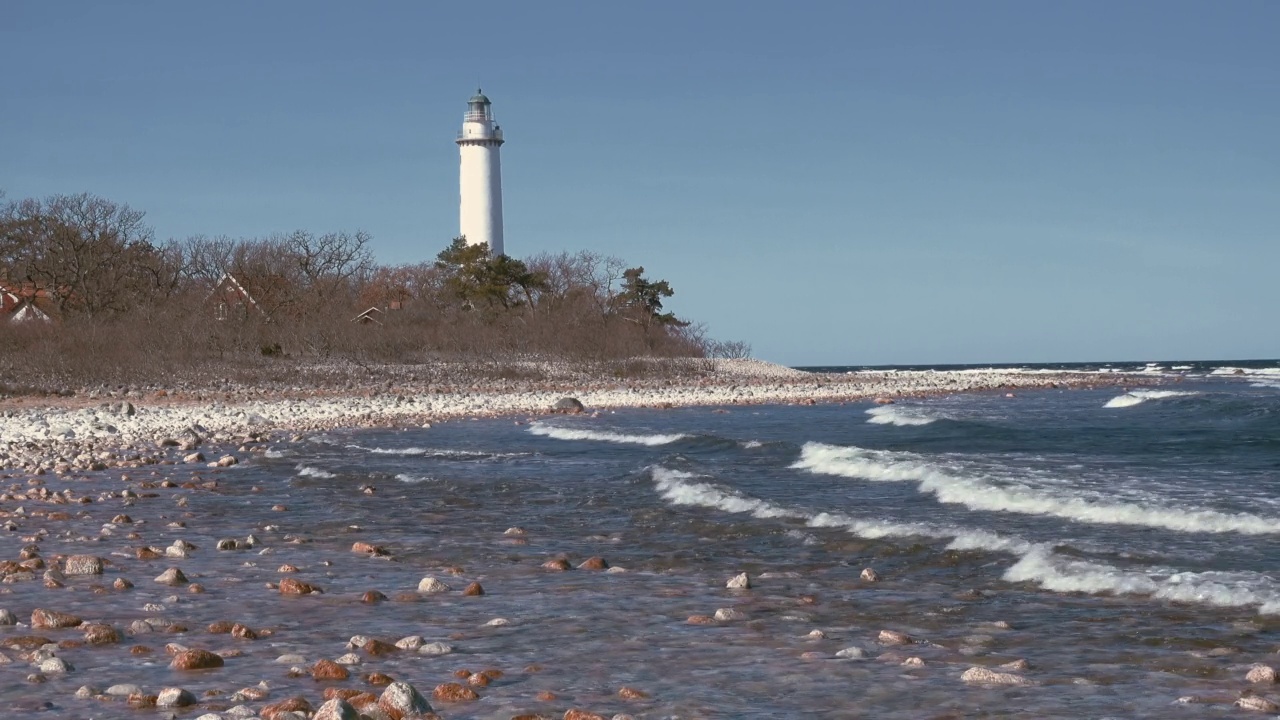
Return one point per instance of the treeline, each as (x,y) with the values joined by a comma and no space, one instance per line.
(116,297)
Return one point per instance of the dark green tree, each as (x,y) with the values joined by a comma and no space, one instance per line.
(474,277)
(641,298)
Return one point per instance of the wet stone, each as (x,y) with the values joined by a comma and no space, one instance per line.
(454,692)
(196,660)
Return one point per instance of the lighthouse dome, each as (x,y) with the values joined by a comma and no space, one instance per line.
(479,97)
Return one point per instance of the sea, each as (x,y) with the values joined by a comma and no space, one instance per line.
(1113,550)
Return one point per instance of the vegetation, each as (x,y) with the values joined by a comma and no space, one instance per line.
(123,305)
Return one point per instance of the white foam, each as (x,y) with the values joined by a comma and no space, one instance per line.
(1036,562)
(413,479)
(308,471)
(1137,397)
(900,415)
(980,493)
(561,433)
(276,454)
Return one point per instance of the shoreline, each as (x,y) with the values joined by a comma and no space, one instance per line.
(135,428)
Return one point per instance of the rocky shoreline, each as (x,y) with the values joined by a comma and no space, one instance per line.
(133,427)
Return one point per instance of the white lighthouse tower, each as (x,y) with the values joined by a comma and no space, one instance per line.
(480,176)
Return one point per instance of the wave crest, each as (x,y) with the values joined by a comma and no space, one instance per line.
(562,433)
(900,415)
(976,493)
(1137,397)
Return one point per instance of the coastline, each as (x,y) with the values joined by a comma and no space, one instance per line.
(129,428)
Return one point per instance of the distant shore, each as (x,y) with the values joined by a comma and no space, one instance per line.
(134,427)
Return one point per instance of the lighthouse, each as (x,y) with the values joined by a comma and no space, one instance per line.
(480,176)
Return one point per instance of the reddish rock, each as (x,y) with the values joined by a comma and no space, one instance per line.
(122,584)
(243,632)
(42,619)
(576,714)
(557,565)
(221,627)
(594,563)
(344,693)
(627,693)
(378,679)
(276,711)
(172,576)
(196,660)
(379,647)
(101,634)
(701,620)
(546,696)
(148,553)
(372,596)
(287,568)
(329,670)
(478,680)
(454,692)
(294,586)
(139,700)
(492,673)
(26,642)
(462,673)
(140,650)
(473,589)
(368,548)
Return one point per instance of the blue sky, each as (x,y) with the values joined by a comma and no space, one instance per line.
(833,182)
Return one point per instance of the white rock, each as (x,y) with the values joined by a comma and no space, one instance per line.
(291,659)
(498,622)
(124,690)
(54,666)
(816,634)
(913,662)
(1260,673)
(983,676)
(1254,702)
(870,575)
(174,697)
(435,648)
(852,653)
(413,642)
(348,659)
(404,698)
(893,637)
(429,584)
(727,614)
(8,618)
(739,582)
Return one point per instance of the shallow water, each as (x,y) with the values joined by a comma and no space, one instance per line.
(1126,553)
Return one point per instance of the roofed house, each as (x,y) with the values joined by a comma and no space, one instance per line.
(230,299)
(373,315)
(22,303)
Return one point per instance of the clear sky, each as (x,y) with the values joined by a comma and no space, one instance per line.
(833,182)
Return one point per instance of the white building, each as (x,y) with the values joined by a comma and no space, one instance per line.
(480,176)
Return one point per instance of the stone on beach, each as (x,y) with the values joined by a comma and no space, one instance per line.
(453,692)
(435,648)
(8,618)
(329,670)
(1260,673)
(175,697)
(294,586)
(404,699)
(285,708)
(576,714)
(336,709)
(83,565)
(740,581)
(172,576)
(100,634)
(569,405)
(196,660)
(556,565)
(42,619)
(1255,702)
(870,575)
(983,676)
(893,637)
(594,563)
(367,548)
(474,589)
(429,584)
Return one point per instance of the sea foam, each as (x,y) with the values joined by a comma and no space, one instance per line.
(315,472)
(980,493)
(1036,563)
(1137,397)
(900,415)
(562,433)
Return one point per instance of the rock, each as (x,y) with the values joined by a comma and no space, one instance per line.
(294,586)
(196,660)
(194,457)
(336,709)
(627,693)
(8,618)
(378,647)
(98,634)
(329,670)
(42,619)
(403,698)
(227,461)
(728,614)
(514,531)
(893,637)
(378,679)
(594,563)
(228,544)
(913,662)
(1260,673)
(701,620)
(453,692)
(55,666)
(429,584)
(473,589)
(557,565)
(569,406)
(983,676)
(1254,702)
(372,596)
(851,653)
(576,714)
(175,697)
(435,648)
(122,584)
(739,582)
(283,709)
(87,691)
(368,548)
(172,576)
(124,690)
(870,575)
(83,565)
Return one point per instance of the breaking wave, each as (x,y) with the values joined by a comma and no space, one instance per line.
(560,433)
(977,493)
(1137,397)
(1036,563)
(900,415)
(315,472)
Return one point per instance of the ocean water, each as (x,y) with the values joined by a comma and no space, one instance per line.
(1122,544)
